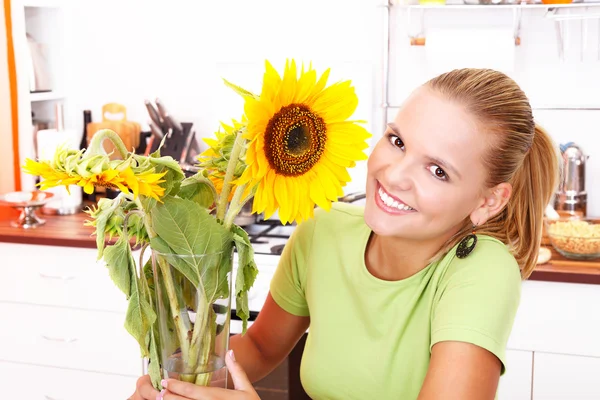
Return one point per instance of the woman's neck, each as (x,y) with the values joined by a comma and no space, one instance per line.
(394,259)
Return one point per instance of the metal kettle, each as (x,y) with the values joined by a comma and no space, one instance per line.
(571,197)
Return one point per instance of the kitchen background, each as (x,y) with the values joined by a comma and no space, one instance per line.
(127,51)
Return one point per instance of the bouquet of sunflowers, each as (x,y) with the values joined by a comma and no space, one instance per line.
(289,152)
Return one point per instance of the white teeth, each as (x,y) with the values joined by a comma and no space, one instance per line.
(390,202)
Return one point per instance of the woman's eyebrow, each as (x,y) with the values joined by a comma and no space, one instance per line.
(438,161)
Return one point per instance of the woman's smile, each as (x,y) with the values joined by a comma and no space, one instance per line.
(391,204)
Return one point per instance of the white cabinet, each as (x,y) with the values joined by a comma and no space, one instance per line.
(565,377)
(64,326)
(29,382)
(515,384)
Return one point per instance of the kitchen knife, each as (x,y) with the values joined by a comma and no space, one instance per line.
(169,120)
(154,116)
(156,131)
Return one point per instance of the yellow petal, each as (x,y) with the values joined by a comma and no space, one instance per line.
(336,103)
(281,195)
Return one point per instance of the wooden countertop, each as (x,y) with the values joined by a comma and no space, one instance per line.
(68,230)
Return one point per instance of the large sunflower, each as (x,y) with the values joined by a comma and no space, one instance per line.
(300,142)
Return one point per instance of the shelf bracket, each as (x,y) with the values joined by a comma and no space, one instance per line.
(517,17)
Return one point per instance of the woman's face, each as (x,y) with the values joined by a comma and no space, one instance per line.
(425,175)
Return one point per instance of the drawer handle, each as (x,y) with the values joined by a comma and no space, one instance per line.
(55,339)
(61,277)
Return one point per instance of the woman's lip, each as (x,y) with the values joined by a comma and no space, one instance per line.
(387,209)
(379,186)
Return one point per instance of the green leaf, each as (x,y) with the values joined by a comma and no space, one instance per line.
(246,273)
(152,338)
(117,258)
(239,90)
(199,189)
(174,174)
(154,364)
(102,216)
(186,229)
(140,316)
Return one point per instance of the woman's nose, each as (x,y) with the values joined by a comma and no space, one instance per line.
(399,174)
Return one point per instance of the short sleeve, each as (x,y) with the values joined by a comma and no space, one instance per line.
(289,281)
(478,299)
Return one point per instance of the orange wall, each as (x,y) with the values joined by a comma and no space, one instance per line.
(9,164)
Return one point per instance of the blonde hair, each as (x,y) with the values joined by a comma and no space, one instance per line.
(520,153)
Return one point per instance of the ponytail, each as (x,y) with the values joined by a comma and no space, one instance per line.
(533,186)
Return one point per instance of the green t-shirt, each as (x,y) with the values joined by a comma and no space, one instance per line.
(370,338)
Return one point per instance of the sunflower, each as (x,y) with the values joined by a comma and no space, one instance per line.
(51,177)
(88,176)
(300,142)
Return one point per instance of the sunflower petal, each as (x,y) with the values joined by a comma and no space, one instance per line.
(281,195)
(336,103)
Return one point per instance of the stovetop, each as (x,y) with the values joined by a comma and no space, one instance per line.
(269,236)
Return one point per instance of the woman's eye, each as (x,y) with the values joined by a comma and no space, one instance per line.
(396,141)
(438,172)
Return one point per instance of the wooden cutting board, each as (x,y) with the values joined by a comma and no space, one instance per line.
(114,117)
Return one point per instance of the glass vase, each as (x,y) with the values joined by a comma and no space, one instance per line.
(193,304)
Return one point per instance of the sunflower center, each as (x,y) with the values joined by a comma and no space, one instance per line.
(294,140)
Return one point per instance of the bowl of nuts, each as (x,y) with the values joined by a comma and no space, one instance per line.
(575,237)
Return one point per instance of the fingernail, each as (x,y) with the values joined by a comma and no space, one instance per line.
(164,383)
(231,355)
(160,395)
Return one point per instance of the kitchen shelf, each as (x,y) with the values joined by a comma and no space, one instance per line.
(558,13)
(45,96)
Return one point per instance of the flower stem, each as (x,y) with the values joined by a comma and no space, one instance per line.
(182,330)
(95,146)
(236,151)
(235,206)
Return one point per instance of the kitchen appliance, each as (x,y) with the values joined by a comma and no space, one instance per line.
(571,197)
(40,76)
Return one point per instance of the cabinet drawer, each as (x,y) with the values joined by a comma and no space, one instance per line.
(32,382)
(57,276)
(76,339)
(562,377)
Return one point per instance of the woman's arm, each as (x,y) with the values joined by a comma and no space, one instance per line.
(269,340)
(460,370)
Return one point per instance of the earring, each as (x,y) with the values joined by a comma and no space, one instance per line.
(466,246)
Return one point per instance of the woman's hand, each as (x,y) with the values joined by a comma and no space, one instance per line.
(144,389)
(177,390)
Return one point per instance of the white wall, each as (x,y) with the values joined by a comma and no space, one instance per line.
(7,182)
(132,50)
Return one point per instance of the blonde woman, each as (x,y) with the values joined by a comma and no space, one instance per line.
(414,295)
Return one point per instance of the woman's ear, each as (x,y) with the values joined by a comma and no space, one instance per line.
(492,204)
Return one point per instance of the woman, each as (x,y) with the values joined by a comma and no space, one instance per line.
(402,300)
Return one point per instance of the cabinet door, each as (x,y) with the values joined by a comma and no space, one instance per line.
(560,377)
(31,382)
(515,384)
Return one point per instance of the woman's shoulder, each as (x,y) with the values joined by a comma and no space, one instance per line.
(340,218)
(490,260)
